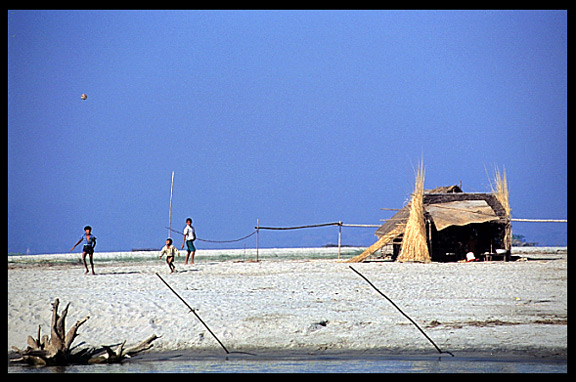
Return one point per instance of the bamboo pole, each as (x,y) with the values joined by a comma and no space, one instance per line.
(339,238)
(196,314)
(257,237)
(402,312)
(170,214)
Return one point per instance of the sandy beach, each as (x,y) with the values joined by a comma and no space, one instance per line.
(296,305)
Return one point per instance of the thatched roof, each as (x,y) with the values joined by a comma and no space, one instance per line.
(460,212)
(443,190)
(451,207)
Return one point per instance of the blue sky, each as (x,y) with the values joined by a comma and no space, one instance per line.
(290,117)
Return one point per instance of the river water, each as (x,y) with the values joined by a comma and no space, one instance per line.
(242,363)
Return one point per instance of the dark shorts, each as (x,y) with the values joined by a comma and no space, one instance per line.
(88,249)
(190,245)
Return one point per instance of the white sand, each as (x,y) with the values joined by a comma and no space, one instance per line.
(298,305)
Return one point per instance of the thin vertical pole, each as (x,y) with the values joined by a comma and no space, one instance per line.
(170,214)
(339,237)
(429,224)
(257,237)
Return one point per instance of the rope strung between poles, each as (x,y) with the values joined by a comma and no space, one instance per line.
(228,241)
(218,241)
(404,314)
(299,227)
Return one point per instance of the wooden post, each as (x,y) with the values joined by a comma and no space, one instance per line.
(170,214)
(429,225)
(257,237)
(508,239)
(339,238)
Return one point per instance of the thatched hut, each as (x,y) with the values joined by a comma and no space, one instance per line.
(456,223)
(447,224)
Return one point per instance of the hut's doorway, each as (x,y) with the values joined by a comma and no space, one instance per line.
(452,243)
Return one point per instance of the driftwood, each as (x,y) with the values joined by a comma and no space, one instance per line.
(57,349)
(118,355)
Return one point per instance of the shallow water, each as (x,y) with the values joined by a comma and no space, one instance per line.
(316,364)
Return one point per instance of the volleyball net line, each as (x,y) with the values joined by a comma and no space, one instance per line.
(258,228)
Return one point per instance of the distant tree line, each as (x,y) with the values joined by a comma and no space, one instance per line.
(519,241)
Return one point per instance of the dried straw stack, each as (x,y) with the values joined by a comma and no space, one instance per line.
(502,193)
(414,246)
(503,196)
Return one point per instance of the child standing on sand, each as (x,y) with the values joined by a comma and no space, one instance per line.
(189,237)
(170,251)
(89,244)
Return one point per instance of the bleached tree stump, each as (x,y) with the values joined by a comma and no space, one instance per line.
(57,349)
(118,355)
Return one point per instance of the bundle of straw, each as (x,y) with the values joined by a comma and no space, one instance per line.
(502,193)
(503,196)
(414,247)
